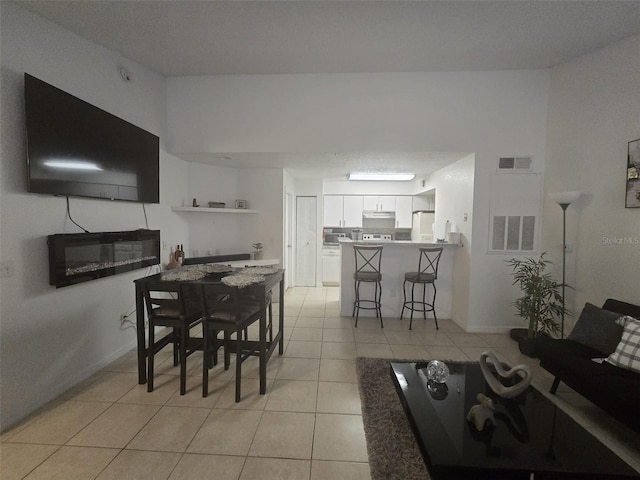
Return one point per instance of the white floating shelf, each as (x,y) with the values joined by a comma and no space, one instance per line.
(212,210)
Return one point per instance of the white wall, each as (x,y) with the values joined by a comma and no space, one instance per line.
(454,185)
(346,187)
(214,233)
(52,338)
(489,113)
(594,110)
(264,189)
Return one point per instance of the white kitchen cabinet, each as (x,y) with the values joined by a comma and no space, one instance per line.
(379,203)
(404,211)
(352,211)
(342,211)
(332,211)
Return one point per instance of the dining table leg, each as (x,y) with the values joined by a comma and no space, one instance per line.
(281,317)
(142,347)
(262,344)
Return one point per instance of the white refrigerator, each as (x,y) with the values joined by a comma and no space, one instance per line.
(422,226)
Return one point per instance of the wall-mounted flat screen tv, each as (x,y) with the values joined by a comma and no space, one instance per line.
(75,148)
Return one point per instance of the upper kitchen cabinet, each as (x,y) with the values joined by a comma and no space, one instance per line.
(342,211)
(379,203)
(404,211)
(352,211)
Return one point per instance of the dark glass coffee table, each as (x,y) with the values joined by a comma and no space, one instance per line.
(532,439)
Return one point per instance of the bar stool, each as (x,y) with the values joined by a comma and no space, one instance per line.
(427,274)
(368,260)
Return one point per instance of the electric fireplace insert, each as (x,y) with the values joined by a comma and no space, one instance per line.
(80,257)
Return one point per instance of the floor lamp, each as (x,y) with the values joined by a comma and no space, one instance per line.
(564,199)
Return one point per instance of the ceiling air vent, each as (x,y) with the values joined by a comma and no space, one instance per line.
(517,164)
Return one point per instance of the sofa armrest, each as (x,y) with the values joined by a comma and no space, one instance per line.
(623,308)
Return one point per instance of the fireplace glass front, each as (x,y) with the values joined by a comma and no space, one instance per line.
(80,257)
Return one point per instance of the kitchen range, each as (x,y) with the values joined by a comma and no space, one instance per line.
(376,237)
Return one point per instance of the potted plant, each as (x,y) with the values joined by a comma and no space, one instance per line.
(257,251)
(540,304)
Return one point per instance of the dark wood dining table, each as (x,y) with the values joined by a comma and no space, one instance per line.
(261,291)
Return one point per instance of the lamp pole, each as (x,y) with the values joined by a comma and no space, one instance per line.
(564,257)
(564,199)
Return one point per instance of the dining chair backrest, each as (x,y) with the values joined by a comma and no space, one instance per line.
(429,261)
(164,298)
(223,303)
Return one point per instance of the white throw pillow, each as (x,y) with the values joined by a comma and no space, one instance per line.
(627,354)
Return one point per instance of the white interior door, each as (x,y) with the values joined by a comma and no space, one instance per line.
(288,235)
(306,241)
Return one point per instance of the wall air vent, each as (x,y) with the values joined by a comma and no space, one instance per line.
(511,164)
(513,233)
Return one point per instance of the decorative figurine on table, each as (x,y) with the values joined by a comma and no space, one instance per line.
(481,414)
(507,392)
(173,263)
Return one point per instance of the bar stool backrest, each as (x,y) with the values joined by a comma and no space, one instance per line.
(429,260)
(368,258)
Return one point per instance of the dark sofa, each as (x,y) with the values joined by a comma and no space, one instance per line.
(614,389)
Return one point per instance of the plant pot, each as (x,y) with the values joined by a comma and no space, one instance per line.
(257,256)
(526,345)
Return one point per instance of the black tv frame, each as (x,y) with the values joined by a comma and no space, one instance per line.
(62,127)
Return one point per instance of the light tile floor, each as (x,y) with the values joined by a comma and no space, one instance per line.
(307,427)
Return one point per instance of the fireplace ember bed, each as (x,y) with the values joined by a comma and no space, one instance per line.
(81,257)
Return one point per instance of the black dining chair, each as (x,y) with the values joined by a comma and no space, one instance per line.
(178,308)
(228,310)
(427,274)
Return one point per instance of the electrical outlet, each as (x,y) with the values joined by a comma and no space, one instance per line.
(568,248)
(7,269)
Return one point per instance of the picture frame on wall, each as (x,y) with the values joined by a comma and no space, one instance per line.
(241,204)
(633,175)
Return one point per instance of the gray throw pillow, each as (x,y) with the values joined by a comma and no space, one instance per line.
(597,328)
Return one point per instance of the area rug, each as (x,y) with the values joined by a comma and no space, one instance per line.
(392,448)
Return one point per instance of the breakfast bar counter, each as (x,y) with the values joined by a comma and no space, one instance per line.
(398,257)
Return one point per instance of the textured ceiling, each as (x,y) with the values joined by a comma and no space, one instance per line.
(184,37)
(253,37)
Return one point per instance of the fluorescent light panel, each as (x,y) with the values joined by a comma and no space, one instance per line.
(393,177)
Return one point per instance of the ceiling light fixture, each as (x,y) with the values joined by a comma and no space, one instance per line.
(389,177)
